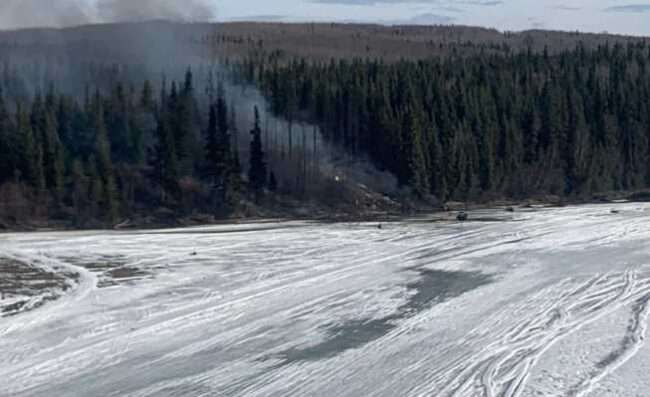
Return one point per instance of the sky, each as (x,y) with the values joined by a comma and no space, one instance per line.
(614,16)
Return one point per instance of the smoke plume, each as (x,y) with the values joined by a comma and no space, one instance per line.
(33,13)
(59,13)
(129,10)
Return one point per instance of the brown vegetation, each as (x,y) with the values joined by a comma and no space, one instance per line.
(324,41)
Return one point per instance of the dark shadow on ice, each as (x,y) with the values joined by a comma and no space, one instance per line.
(435,286)
(431,288)
(340,338)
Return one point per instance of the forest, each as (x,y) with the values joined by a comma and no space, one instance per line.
(485,126)
(123,152)
(103,139)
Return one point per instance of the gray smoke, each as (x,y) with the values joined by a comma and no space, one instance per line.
(33,13)
(59,13)
(177,10)
(324,159)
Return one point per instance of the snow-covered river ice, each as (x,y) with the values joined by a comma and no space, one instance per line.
(546,302)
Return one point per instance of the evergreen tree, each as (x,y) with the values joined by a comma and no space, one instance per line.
(166,163)
(418,177)
(147,97)
(30,165)
(221,170)
(8,150)
(185,125)
(273,182)
(79,195)
(257,177)
(104,164)
(235,174)
(53,157)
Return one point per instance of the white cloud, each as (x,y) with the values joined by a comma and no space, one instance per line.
(583,15)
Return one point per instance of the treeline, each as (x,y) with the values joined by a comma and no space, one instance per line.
(484,126)
(22,78)
(324,41)
(124,152)
(472,127)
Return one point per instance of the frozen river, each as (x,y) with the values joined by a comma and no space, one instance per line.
(535,303)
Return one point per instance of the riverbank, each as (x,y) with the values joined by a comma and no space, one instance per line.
(365,206)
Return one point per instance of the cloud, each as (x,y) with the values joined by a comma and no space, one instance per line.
(56,13)
(636,8)
(386,2)
(136,10)
(21,13)
(428,19)
(566,8)
(260,18)
(536,23)
(364,2)
(421,19)
(484,3)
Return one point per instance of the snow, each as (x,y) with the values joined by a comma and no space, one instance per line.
(539,302)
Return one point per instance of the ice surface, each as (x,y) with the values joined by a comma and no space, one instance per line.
(540,302)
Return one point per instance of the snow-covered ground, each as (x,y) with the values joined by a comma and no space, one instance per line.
(544,302)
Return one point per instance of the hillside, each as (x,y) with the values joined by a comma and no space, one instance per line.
(318,41)
(132,42)
(160,121)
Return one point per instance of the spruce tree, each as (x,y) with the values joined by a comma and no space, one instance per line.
(8,150)
(220,162)
(104,164)
(273,182)
(79,194)
(166,162)
(418,177)
(53,157)
(257,177)
(31,168)
(235,174)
